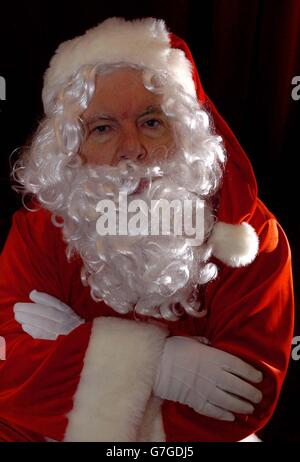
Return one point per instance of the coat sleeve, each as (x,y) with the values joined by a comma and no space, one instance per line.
(63,389)
(38,377)
(251,315)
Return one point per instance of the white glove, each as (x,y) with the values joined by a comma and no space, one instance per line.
(47,317)
(210,381)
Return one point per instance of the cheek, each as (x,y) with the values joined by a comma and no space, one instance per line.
(160,147)
(92,153)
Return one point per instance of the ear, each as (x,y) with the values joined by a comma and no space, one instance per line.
(234,245)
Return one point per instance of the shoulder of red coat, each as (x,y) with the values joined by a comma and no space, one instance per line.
(35,214)
(36,223)
(267,228)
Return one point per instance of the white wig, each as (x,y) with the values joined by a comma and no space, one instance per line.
(52,169)
(150,276)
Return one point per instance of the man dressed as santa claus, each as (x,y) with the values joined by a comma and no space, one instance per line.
(139,336)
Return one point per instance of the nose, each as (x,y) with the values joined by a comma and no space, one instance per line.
(130,145)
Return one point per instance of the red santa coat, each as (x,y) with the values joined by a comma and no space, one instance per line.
(250,313)
(95,383)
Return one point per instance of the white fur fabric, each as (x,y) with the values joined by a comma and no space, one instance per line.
(234,245)
(143,42)
(113,401)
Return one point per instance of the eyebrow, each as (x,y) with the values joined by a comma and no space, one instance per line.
(99,115)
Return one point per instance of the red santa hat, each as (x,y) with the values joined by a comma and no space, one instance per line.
(147,42)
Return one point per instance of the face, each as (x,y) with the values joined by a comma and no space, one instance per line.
(124,121)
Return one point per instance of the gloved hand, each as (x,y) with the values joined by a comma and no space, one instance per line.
(212,382)
(47,317)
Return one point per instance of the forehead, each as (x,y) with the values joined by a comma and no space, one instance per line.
(121,93)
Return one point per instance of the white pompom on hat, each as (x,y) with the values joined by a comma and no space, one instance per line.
(234,245)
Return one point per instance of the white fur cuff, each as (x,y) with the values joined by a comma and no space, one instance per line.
(116,382)
(144,42)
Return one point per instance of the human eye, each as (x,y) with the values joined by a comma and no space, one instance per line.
(152,123)
(101,129)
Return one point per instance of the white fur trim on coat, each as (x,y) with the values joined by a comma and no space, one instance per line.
(113,401)
(143,42)
(234,245)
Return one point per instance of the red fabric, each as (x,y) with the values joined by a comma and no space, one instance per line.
(250,314)
(238,175)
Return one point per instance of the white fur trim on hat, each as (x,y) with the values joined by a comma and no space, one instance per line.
(143,42)
(234,245)
(113,401)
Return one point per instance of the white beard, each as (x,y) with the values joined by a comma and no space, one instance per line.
(152,275)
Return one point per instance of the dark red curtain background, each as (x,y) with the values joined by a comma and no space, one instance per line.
(247,53)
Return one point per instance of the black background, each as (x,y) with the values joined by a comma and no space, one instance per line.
(247,53)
